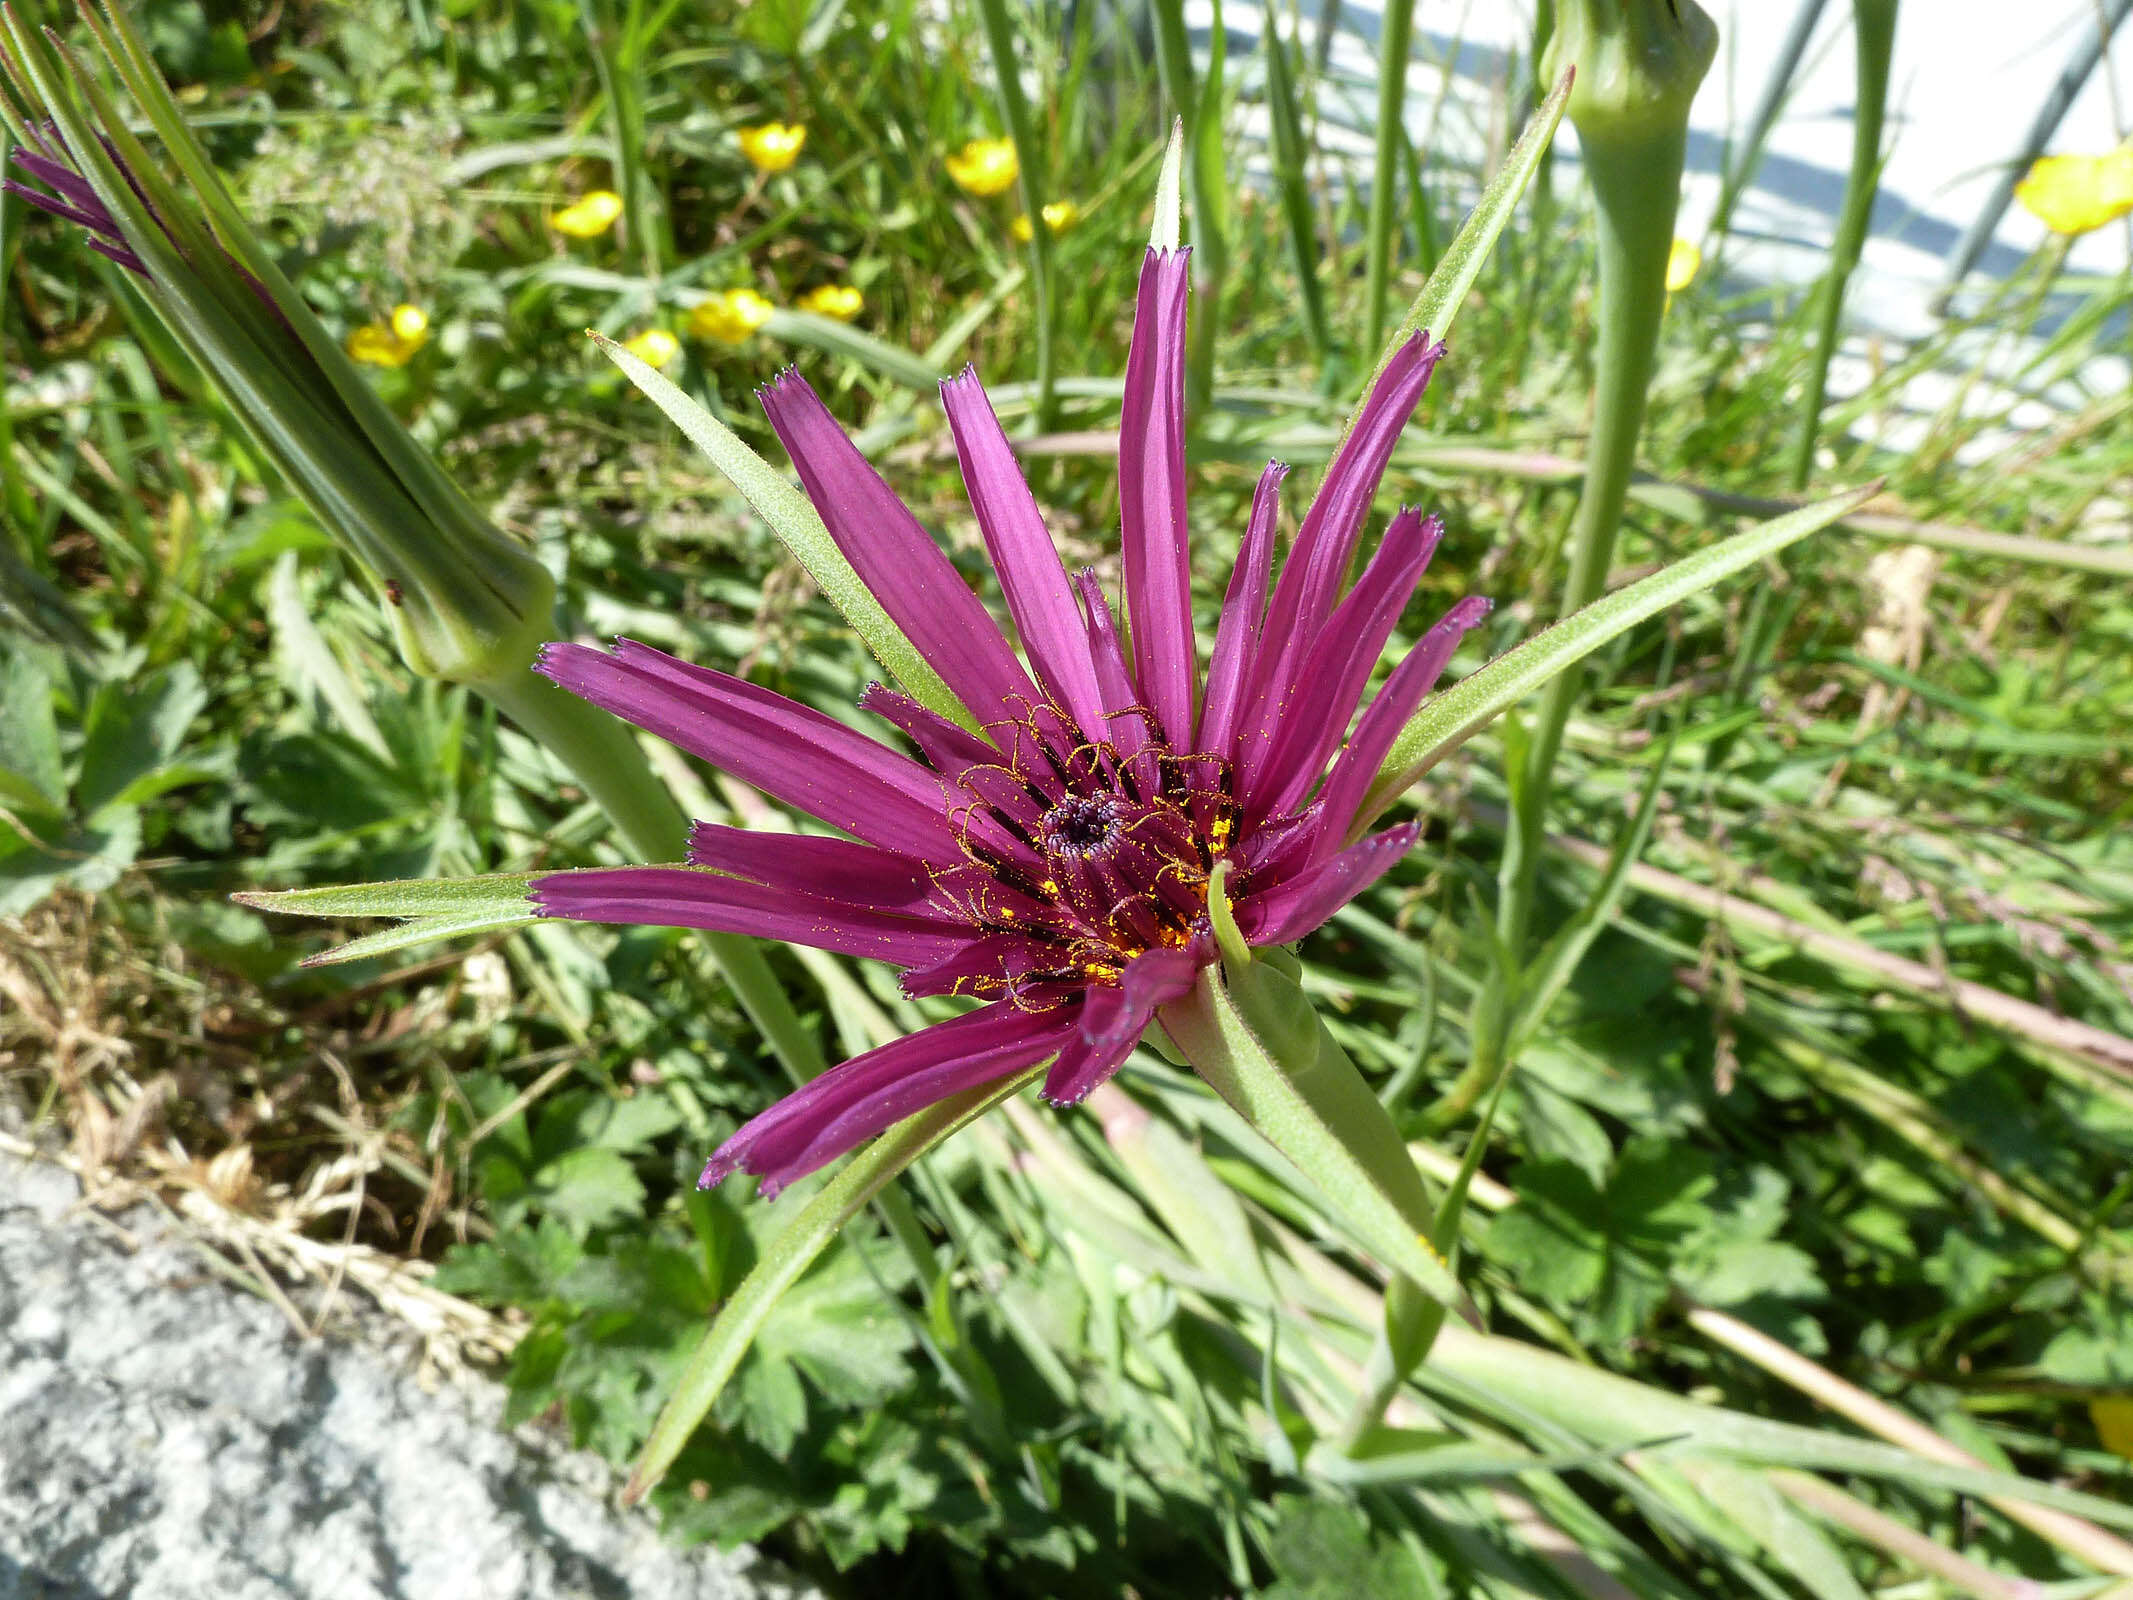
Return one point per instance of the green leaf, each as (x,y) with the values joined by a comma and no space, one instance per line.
(1270,1079)
(797,523)
(1447,720)
(132,731)
(31,774)
(788,1256)
(589,1188)
(435,908)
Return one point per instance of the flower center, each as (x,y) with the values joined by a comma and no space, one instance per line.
(1083,825)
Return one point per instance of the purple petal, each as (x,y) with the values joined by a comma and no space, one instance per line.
(799,755)
(1011,959)
(1286,745)
(850,1103)
(683,897)
(1411,680)
(97,221)
(1293,909)
(810,864)
(1031,576)
(1125,723)
(1311,579)
(974,776)
(1112,1021)
(1151,495)
(1229,670)
(895,558)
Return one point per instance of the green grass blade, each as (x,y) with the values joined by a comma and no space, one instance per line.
(1448,720)
(1286,121)
(862,349)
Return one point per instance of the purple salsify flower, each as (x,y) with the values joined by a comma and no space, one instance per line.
(1059,865)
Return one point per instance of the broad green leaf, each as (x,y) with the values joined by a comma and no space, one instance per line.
(133,730)
(1437,306)
(787,1257)
(1265,1080)
(1447,720)
(31,773)
(797,523)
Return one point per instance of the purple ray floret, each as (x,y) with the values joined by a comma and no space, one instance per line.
(1057,864)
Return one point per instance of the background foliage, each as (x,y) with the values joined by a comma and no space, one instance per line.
(1918,751)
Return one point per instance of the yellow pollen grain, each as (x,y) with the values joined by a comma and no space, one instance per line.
(1049,886)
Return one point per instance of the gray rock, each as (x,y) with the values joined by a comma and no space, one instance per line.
(166,1435)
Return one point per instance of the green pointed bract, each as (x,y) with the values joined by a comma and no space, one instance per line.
(466,603)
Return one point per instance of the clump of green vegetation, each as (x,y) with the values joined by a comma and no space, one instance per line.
(1845,1067)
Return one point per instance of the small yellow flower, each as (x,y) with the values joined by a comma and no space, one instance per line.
(985,166)
(591,216)
(774,146)
(839,301)
(2113,1416)
(729,315)
(1683,262)
(391,343)
(2074,194)
(655,347)
(1059,216)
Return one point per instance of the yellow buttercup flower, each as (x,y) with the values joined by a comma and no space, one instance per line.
(1683,262)
(1059,216)
(985,166)
(729,315)
(591,216)
(2075,194)
(393,342)
(774,146)
(836,300)
(655,347)
(2113,1416)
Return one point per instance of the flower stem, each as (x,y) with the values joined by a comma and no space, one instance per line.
(1030,156)
(1874,31)
(602,754)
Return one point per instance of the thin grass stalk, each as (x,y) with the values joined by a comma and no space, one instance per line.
(1747,156)
(1286,119)
(1200,107)
(1395,41)
(1031,156)
(617,54)
(1874,32)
